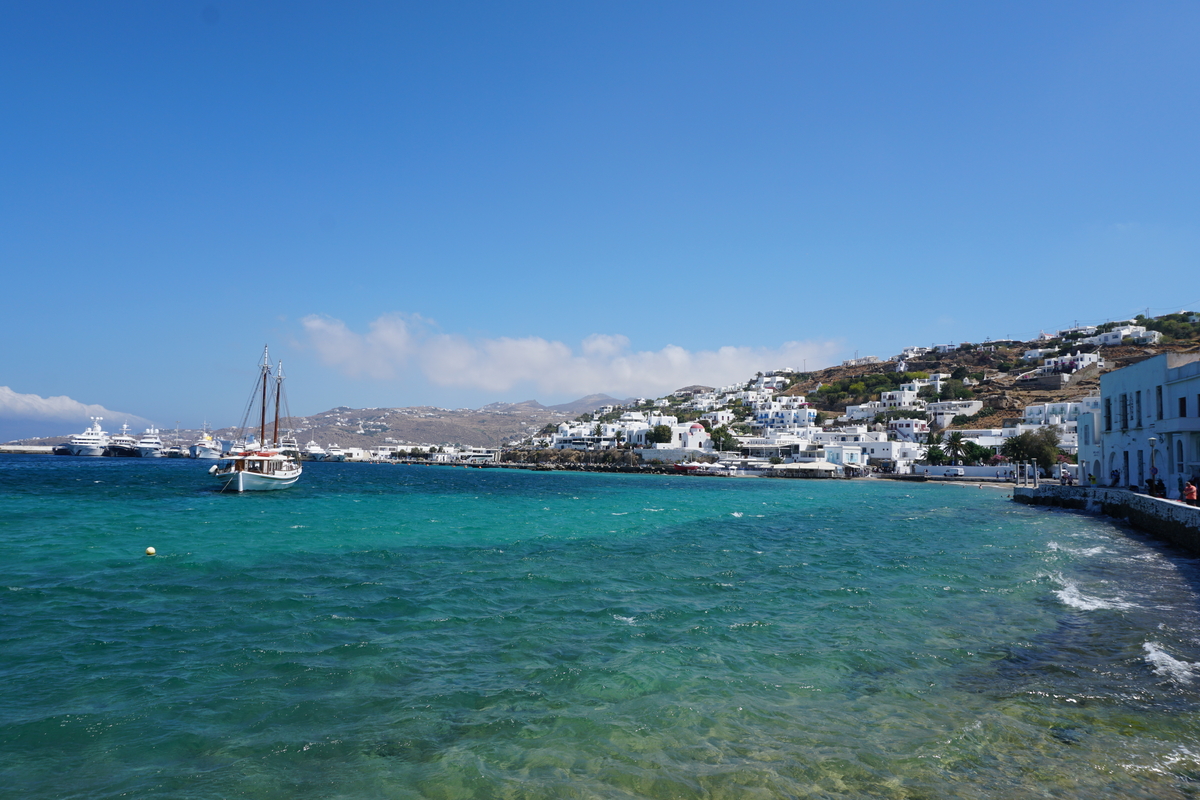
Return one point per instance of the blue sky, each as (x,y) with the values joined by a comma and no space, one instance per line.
(458,203)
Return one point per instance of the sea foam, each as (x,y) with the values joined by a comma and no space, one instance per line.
(1071,595)
(1167,665)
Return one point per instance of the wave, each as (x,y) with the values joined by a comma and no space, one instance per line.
(1071,595)
(1085,551)
(1167,665)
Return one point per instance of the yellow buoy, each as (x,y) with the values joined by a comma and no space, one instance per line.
(150,551)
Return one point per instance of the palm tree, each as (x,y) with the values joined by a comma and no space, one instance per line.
(956,447)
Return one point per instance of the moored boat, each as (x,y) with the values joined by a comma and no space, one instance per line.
(150,445)
(91,442)
(335,453)
(265,468)
(314,451)
(289,447)
(206,446)
(122,445)
(256,471)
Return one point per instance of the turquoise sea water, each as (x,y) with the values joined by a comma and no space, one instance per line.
(408,632)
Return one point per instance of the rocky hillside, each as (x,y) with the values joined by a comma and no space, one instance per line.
(998,390)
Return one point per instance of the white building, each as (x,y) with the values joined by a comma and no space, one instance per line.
(771,383)
(1039,353)
(1052,413)
(1149,422)
(1072,362)
(721,417)
(942,413)
(905,397)
(908,430)
(1117,335)
(1087,429)
(863,411)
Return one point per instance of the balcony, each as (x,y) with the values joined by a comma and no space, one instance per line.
(1177,425)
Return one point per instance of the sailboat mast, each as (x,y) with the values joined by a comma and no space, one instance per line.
(278,392)
(262,417)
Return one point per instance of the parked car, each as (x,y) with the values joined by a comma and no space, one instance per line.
(955,472)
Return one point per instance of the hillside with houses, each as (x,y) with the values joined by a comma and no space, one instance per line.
(979,406)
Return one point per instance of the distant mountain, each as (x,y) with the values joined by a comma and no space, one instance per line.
(29,415)
(588,404)
(530,405)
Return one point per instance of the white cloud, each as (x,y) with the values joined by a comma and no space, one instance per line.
(602,363)
(33,415)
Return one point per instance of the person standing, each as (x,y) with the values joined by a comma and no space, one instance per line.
(1189,493)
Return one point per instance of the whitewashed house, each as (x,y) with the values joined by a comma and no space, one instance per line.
(904,398)
(720,417)
(909,430)
(943,412)
(1149,422)
(1038,354)
(1072,362)
(1117,335)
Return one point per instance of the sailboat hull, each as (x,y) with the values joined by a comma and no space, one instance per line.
(243,481)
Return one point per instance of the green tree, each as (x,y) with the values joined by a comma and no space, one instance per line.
(659,434)
(1040,446)
(955,446)
(723,439)
(935,456)
(976,453)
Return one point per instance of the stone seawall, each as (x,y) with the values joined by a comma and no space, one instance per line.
(1168,519)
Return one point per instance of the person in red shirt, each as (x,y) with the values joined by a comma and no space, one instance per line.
(1189,493)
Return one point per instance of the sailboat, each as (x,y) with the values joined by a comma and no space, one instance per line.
(263,468)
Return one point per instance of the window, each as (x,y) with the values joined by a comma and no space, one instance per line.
(1137,417)
(1108,413)
(1183,406)
(1158,407)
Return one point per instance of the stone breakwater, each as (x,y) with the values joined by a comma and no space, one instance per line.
(1171,520)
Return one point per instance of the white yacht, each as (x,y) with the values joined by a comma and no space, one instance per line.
(91,442)
(268,467)
(206,446)
(245,445)
(335,453)
(289,446)
(122,444)
(150,445)
(314,451)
